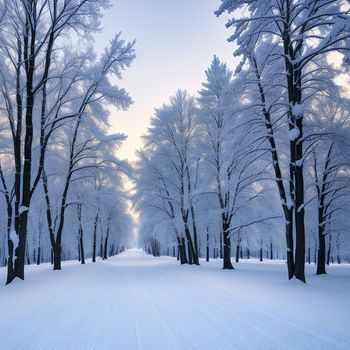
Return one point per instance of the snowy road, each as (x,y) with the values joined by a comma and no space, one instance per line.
(135,301)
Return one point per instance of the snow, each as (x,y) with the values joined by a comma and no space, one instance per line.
(23,209)
(299,163)
(298,110)
(14,239)
(135,301)
(293,134)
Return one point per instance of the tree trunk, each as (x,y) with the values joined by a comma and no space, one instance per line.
(57,257)
(182,250)
(207,250)
(190,253)
(299,212)
(192,256)
(82,253)
(227,264)
(321,253)
(81,235)
(94,239)
(38,261)
(328,255)
(106,244)
(271,251)
(237,251)
(288,215)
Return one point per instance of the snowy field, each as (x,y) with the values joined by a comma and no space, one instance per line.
(135,301)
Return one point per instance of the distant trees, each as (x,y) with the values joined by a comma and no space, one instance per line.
(54,107)
(200,158)
(172,167)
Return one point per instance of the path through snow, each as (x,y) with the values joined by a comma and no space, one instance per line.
(135,301)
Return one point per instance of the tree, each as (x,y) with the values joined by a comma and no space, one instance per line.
(303,31)
(33,30)
(170,140)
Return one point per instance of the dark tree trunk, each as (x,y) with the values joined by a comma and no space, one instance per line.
(299,208)
(190,253)
(207,250)
(94,239)
(106,244)
(192,256)
(57,257)
(227,264)
(288,215)
(81,235)
(328,254)
(39,250)
(321,256)
(321,253)
(271,251)
(237,251)
(182,250)
(81,244)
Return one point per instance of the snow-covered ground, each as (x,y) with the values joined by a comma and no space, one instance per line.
(135,301)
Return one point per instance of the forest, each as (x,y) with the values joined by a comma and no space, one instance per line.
(227,226)
(256,164)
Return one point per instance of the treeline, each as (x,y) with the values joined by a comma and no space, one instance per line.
(260,157)
(60,180)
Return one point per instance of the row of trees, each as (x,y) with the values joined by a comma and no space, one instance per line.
(61,182)
(261,149)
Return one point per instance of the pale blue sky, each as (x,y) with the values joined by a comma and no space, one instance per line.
(176,41)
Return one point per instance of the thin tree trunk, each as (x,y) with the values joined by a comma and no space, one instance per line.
(321,256)
(94,239)
(237,251)
(106,243)
(227,264)
(182,248)
(207,250)
(271,251)
(81,235)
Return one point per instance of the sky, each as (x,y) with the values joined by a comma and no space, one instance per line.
(175,42)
